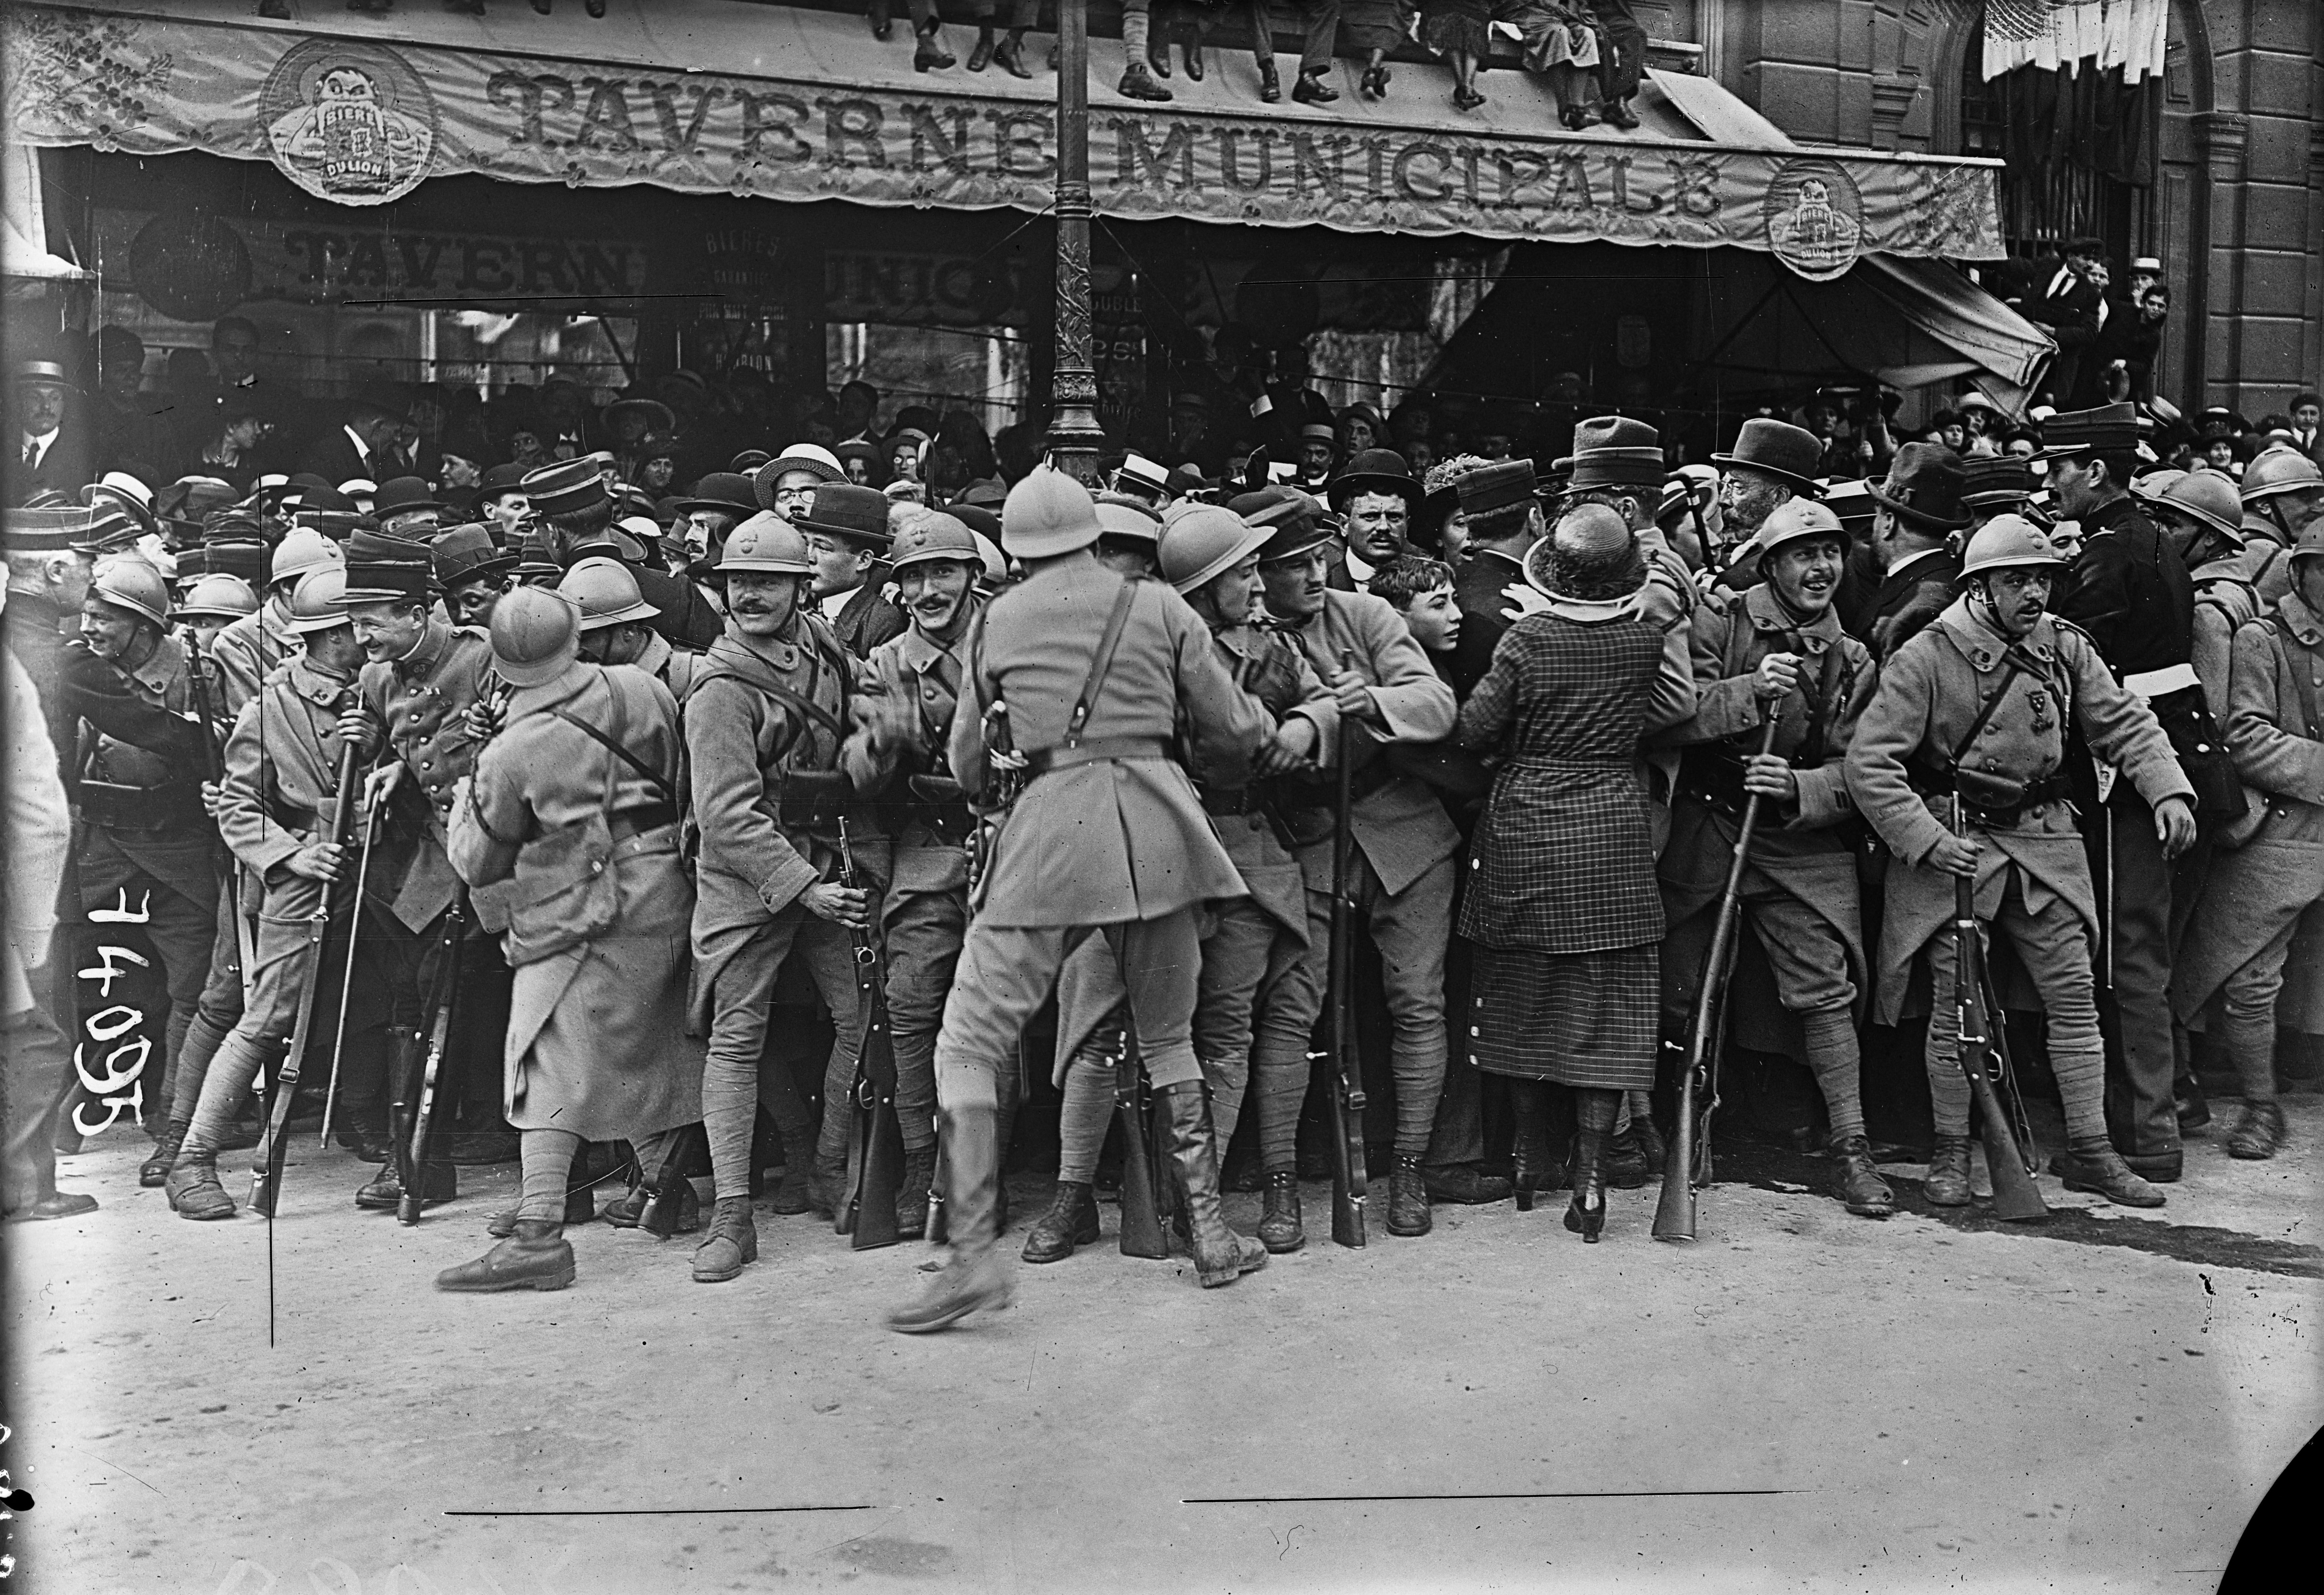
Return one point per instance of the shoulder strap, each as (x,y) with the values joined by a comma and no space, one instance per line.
(1101,663)
(727,658)
(2011,670)
(617,751)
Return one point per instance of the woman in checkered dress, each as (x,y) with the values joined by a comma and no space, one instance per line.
(1561,903)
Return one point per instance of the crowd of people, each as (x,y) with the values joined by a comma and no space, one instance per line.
(515,754)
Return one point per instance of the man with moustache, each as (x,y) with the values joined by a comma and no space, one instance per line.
(1377,496)
(1772,463)
(899,752)
(764,724)
(1401,865)
(1977,706)
(1777,651)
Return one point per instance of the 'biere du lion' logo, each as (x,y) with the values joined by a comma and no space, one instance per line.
(349,122)
(1815,218)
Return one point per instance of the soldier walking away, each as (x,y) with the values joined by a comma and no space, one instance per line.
(1100,674)
(1777,651)
(1977,708)
(567,836)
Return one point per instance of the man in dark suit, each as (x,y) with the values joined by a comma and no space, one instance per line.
(1505,522)
(1919,512)
(2067,295)
(1379,498)
(364,447)
(56,447)
(846,531)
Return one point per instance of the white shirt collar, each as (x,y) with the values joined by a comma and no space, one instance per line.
(1910,560)
(44,441)
(832,605)
(362,449)
(1358,570)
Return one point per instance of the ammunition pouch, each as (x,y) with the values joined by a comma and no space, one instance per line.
(173,806)
(811,800)
(1992,800)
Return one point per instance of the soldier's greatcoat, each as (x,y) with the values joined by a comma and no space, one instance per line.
(596,1036)
(1931,692)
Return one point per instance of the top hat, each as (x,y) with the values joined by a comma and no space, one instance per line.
(1925,486)
(1776,449)
(1376,470)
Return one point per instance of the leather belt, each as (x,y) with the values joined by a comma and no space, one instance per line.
(1042,761)
(637,822)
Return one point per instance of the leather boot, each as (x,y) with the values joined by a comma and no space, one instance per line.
(1311,90)
(193,1188)
(1193,51)
(1626,1161)
(156,1169)
(1270,86)
(2096,1165)
(974,1278)
(881,21)
(580,1208)
(827,1186)
(912,1195)
(535,1257)
(1221,1256)
(2193,1107)
(733,1240)
(1946,1183)
(980,54)
(1011,54)
(1071,1221)
(795,1193)
(1279,1230)
(930,53)
(439,1184)
(2259,1132)
(1859,1185)
(1407,1200)
(1585,1215)
(1138,83)
(677,1214)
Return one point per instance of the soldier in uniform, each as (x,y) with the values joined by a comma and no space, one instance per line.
(148,836)
(899,751)
(412,712)
(2242,928)
(1978,705)
(2283,492)
(1776,649)
(2131,591)
(247,650)
(764,724)
(1401,865)
(568,834)
(1101,677)
(1255,993)
(273,809)
(617,625)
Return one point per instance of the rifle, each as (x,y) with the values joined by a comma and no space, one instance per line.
(1143,1182)
(1985,1060)
(347,975)
(214,772)
(1687,1165)
(274,1140)
(875,1141)
(419,1120)
(1004,780)
(1345,1100)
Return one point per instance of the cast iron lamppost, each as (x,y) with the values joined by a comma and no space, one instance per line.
(1074,435)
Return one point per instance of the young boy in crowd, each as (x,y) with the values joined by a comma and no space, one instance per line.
(1420,589)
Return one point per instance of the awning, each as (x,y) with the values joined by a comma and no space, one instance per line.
(807,104)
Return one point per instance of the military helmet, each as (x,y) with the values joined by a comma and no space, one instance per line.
(605,591)
(2311,545)
(218,596)
(2007,541)
(1046,514)
(932,535)
(302,550)
(2207,497)
(765,545)
(536,633)
(1201,542)
(2279,470)
(128,582)
(318,602)
(1796,519)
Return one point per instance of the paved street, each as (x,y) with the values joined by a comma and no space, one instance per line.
(1941,1406)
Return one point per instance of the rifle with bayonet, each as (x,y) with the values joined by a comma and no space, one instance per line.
(1345,1098)
(274,1138)
(1686,1168)
(875,1140)
(1984,1058)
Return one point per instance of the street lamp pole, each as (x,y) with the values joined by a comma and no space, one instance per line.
(1074,435)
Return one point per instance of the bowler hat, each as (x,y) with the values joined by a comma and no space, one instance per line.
(726,491)
(843,510)
(1925,486)
(400,496)
(1790,454)
(499,480)
(1376,470)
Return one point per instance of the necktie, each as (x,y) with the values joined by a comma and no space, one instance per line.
(32,454)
